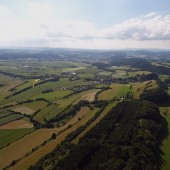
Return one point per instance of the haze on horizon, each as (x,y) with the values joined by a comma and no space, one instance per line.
(92,24)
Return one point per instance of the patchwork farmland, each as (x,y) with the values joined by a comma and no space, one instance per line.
(70,98)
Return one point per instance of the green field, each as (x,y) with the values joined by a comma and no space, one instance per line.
(138,88)
(123,90)
(53,95)
(46,112)
(9,136)
(119,74)
(73,69)
(4,114)
(117,90)
(59,105)
(163,77)
(35,105)
(9,118)
(134,73)
(105,73)
(89,69)
(37,91)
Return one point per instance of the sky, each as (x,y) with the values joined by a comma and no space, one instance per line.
(86,24)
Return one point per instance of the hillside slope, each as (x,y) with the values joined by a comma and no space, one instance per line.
(127,138)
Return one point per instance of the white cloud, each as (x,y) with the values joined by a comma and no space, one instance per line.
(40,29)
(142,28)
(5,13)
(151,14)
(40,11)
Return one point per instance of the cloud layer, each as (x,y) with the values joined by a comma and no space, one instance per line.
(43,30)
(148,27)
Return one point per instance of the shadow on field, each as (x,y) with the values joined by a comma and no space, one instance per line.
(164,134)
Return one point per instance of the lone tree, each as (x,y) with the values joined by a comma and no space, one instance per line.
(53,136)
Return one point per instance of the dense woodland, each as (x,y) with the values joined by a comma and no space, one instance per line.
(158,96)
(127,138)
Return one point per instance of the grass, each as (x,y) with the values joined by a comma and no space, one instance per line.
(37,91)
(138,88)
(54,109)
(119,67)
(89,70)
(26,84)
(73,69)
(23,109)
(123,90)
(4,114)
(50,110)
(120,74)
(109,94)
(86,75)
(88,95)
(167,65)
(35,139)
(166,146)
(117,90)
(24,145)
(9,118)
(163,77)
(35,105)
(9,83)
(11,135)
(134,73)
(18,124)
(53,95)
(42,151)
(105,73)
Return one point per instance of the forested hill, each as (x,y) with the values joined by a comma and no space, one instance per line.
(127,138)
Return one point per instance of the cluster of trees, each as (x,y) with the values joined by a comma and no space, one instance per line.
(2,84)
(150,76)
(140,63)
(158,96)
(53,79)
(47,91)
(127,138)
(79,89)
(42,99)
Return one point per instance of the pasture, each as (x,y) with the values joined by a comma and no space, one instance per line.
(17,124)
(42,151)
(117,90)
(10,118)
(8,136)
(138,88)
(23,110)
(39,136)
